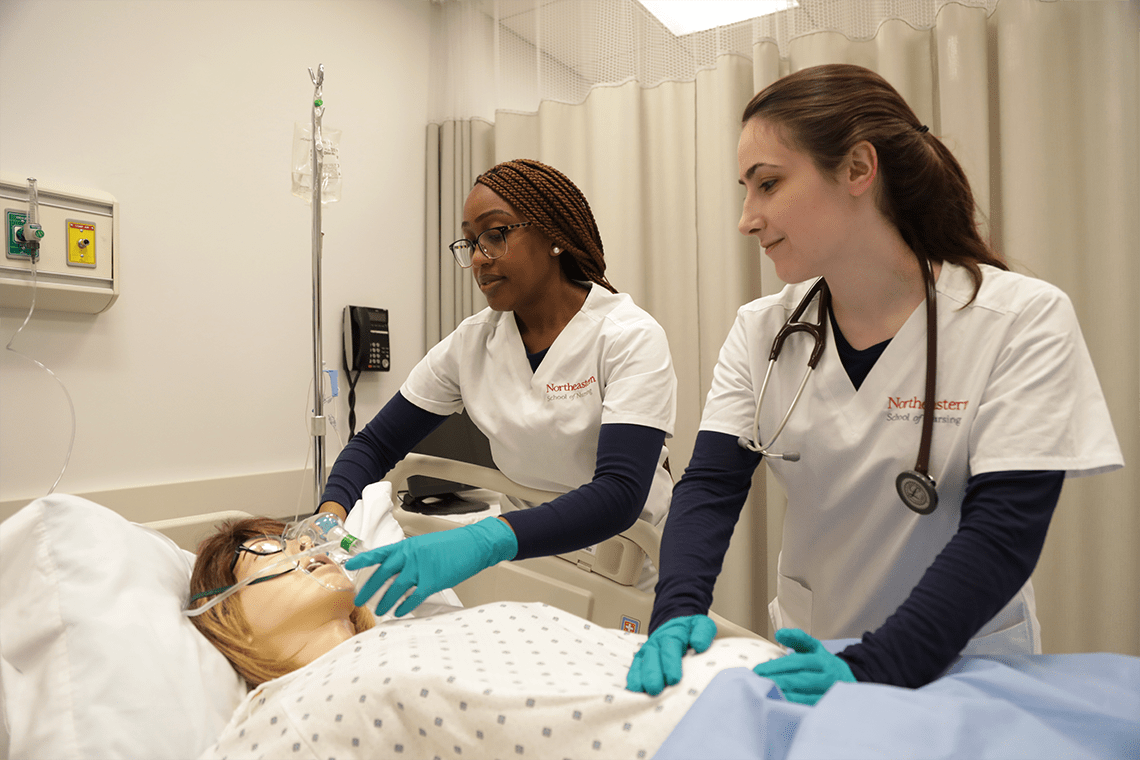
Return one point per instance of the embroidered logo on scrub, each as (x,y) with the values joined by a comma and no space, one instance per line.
(901,409)
(561,391)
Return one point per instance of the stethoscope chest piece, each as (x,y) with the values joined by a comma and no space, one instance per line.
(917,490)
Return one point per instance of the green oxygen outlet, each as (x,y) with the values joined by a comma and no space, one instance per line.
(17,248)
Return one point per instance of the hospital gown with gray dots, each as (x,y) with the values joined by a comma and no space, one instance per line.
(505,680)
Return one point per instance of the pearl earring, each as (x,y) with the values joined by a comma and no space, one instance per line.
(557,250)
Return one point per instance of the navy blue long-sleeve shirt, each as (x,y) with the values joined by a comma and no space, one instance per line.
(1004,519)
(600,509)
(1005,516)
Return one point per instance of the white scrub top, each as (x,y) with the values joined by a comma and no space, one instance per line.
(610,365)
(1016,390)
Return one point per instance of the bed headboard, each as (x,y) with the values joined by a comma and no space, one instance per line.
(187,532)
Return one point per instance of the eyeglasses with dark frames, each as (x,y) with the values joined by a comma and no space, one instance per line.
(263,546)
(491,242)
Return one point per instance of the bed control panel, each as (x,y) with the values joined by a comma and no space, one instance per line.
(617,558)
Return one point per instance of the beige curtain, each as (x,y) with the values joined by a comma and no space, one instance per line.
(1039,102)
(1065,185)
(458,152)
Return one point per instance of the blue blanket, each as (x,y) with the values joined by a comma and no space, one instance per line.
(1071,706)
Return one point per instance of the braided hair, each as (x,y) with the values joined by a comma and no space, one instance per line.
(554,204)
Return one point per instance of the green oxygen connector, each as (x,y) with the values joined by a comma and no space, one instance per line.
(29,237)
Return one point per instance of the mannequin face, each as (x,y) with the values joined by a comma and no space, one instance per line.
(294,601)
(520,279)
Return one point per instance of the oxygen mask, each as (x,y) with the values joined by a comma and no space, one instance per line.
(326,530)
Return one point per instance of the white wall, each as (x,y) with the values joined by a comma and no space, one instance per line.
(184,111)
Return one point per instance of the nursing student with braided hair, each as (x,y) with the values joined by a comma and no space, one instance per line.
(570,381)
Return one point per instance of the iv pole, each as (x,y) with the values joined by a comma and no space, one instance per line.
(317,424)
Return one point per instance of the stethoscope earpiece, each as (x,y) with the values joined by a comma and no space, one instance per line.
(917,490)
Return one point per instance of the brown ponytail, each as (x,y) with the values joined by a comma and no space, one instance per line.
(825,111)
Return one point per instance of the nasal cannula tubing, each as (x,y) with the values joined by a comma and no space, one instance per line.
(286,559)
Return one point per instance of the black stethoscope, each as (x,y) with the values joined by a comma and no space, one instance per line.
(916,488)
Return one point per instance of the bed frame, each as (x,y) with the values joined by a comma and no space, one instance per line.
(592,585)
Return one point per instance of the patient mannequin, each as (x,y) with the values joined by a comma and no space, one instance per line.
(485,681)
(274,627)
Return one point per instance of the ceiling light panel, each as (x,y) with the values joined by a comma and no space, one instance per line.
(688,16)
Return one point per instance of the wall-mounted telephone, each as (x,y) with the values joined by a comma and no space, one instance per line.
(366,339)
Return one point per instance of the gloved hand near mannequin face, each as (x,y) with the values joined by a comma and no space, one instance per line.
(433,562)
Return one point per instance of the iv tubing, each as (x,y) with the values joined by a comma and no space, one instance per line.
(33,207)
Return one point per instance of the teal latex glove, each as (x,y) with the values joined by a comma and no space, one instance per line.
(433,562)
(658,663)
(805,674)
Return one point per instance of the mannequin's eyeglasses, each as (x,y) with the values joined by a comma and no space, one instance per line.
(262,547)
(492,242)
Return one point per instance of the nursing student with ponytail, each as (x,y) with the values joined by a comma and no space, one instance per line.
(923,457)
(570,381)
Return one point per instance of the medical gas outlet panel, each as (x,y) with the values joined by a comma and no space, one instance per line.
(61,241)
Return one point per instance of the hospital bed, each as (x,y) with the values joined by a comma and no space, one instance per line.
(97,661)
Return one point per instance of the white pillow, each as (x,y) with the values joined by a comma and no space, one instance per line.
(96,658)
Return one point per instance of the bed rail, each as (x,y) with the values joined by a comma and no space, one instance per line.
(642,534)
(560,581)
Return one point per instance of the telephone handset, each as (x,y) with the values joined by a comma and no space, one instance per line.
(366,339)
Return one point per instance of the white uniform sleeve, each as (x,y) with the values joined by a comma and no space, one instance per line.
(641,386)
(1043,408)
(434,383)
(731,403)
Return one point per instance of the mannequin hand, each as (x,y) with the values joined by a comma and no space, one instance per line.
(805,674)
(433,562)
(658,662)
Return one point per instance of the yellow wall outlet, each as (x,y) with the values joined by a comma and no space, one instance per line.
(80,243)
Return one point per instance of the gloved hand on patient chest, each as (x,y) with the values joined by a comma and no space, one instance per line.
(805,674)
(658,663)
(433,562)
